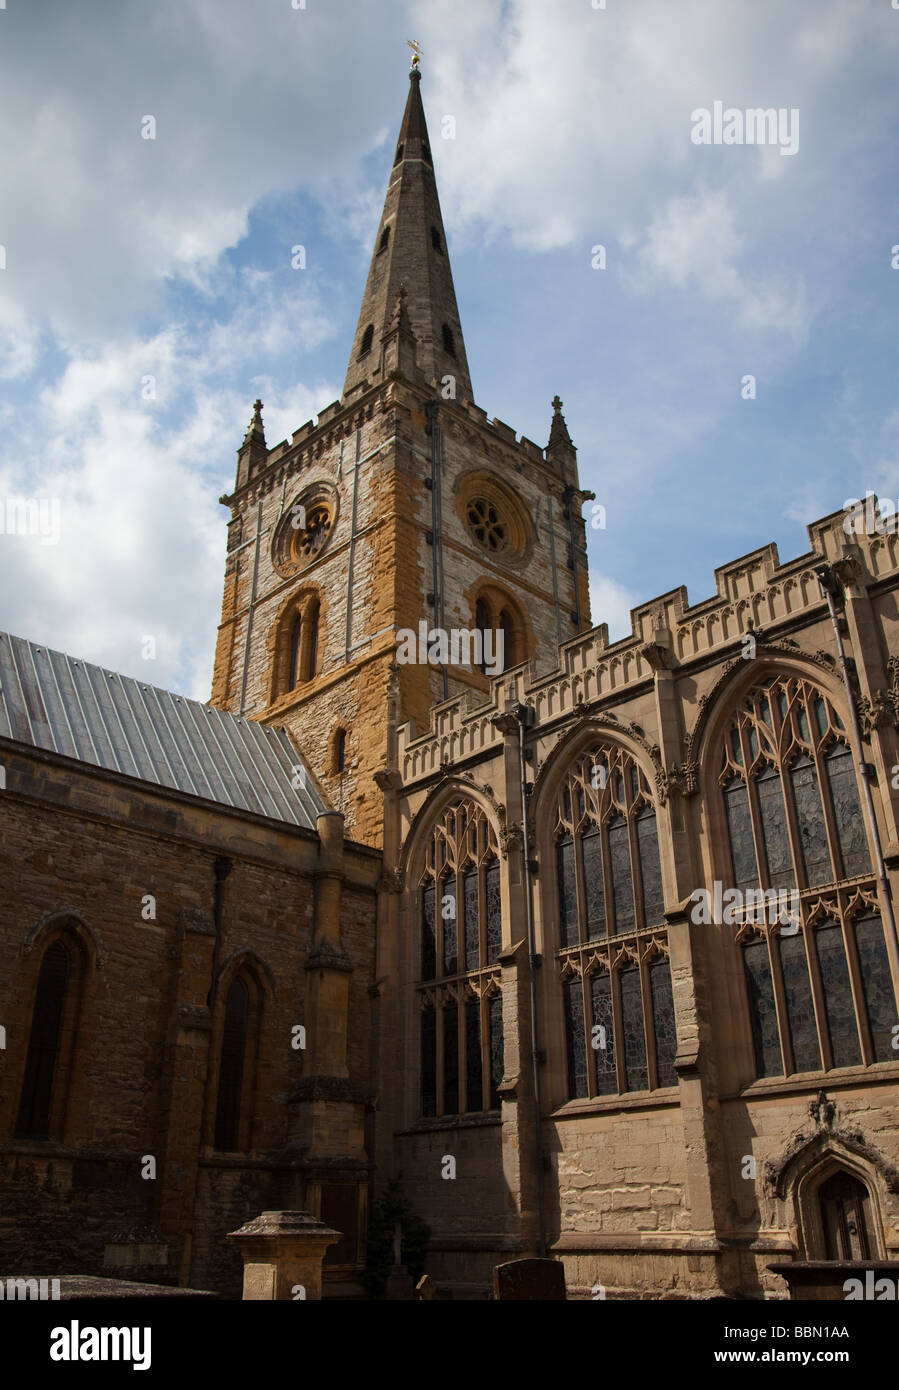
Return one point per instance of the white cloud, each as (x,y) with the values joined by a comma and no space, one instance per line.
(611,602)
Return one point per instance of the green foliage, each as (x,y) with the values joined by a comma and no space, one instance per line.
(389,1210)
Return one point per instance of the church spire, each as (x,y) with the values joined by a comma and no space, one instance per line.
(410,250)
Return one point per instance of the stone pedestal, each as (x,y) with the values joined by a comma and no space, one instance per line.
(282,1255)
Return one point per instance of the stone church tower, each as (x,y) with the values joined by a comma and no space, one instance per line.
(403,508)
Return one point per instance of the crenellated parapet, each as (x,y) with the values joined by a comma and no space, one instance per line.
(754,594)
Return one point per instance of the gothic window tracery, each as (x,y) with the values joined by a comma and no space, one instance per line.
(617,998)
(458,994)
(816,972)
(311,538)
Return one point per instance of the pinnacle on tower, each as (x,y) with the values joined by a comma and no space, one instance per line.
(560,451)
(253,451)
(410,250)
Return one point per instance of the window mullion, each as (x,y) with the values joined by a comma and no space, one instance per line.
(636,876)
(620,1042)
(811,951)
(580,881)
(833,840)
(587,1015)
(607,888)
(649,1032)
(786,782)
(439,1002)
(858,995)
(780,1004)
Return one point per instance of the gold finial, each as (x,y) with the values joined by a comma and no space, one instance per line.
(416,53)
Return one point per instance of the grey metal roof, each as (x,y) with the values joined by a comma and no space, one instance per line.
(71,707)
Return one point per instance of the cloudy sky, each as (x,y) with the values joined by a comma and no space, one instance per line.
(129,258)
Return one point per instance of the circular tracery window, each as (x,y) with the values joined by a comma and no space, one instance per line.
(485,522)
(311,538)
(305,528)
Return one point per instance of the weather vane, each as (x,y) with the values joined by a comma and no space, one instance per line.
(416,53)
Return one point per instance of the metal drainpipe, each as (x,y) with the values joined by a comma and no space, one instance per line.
(431,429)
(221,868)
(832,589)
(524,714)
(246,649)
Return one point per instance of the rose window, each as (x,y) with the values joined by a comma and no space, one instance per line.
(313,535)
(484,520)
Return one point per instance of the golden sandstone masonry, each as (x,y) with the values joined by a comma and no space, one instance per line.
(397,920)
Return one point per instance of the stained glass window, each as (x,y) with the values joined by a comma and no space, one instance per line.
(800,1009)
(602,1034)
(494,914)
(774,825)
(622,884)
(475,1099)
(448,909)
(461,874)
(810,818)
(877,986)
(574,1038)
(762,1011)
(429,1062)
(803,805)
(632,1027)
(609,878)
(567,891)
(739,825)
(591,849)
(428,936)
(847,811)
(837,995)
(650,867)
(472,941)
(450,1060)
(663,1020)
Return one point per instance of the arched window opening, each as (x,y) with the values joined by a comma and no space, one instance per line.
(436,241)
(232,1066)
(818,986)
(619,1025)
(367,340)
(385,240)
(296,635)
(33,1120)
(460,945)
(449,342)
(339,759)
(483,623)
(310,663)
(399,154)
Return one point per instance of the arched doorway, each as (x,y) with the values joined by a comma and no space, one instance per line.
(844,1205)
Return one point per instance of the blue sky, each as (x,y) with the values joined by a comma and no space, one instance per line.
(171,257)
